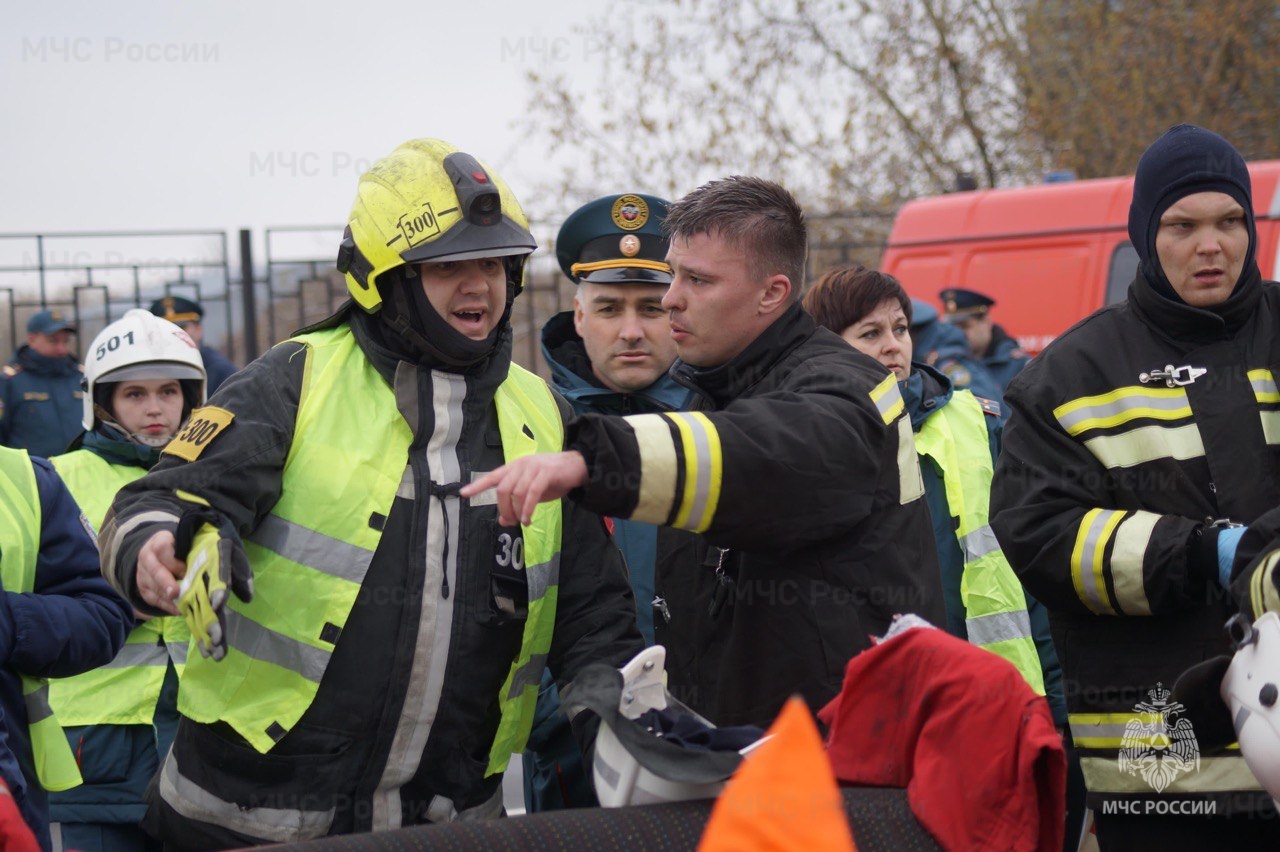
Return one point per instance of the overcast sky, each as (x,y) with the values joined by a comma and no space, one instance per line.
(134,115)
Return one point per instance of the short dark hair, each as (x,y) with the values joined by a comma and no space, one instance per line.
(755,215)
(846,294)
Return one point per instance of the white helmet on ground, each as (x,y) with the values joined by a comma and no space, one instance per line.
(632,765)
(1251,689)
(140,346)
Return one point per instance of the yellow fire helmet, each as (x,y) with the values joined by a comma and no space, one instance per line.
(428,201)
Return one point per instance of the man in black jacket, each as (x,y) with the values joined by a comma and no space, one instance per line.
(1138,443)
(793,487)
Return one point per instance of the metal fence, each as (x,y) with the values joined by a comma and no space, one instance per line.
(96,276)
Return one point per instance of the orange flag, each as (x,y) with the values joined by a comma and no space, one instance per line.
(783,796)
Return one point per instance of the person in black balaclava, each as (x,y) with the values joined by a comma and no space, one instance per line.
(370,643)
(1138,445)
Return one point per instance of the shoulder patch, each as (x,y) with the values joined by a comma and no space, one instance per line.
(957,373)
(10,370)
(989,406)
(205,424)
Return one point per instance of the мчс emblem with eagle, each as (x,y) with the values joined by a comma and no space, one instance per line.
(1159,744)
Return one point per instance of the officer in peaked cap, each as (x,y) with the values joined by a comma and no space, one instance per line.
(40,388)
(609,355)
(188,314)
(970,311)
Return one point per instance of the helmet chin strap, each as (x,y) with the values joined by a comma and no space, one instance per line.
(409,315)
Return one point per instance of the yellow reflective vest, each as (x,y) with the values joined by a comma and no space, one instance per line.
(995,604)
(126,690)
(314,547)
(19,549)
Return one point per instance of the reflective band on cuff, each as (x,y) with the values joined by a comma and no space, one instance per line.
(1087,562)
(658,466)
(887,399)
(702,470)
(1132,538)
(979,543)
(1264,386)
(1270,426)
(1147,443)
(998,627)
(1121,406)
(530,674)
(1264,597)
(253,640)
(315,550)
(278,824)
(37,702)
(139,654)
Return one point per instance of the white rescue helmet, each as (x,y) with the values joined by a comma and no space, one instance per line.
(142,346)
(1251,689)
(631,765)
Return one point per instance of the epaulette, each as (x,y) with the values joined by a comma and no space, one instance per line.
(989,406)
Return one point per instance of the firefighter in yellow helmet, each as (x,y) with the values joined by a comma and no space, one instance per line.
(371,643)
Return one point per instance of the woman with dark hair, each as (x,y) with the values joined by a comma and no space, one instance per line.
(957,438)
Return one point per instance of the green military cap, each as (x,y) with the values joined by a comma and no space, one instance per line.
(177,309)
(617,239)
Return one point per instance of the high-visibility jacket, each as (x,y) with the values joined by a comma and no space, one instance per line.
(124,691)
(311,552)
(19,548)
(995,604)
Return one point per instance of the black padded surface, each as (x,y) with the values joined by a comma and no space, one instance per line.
(880,817)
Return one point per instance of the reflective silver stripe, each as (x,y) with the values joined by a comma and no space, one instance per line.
(998,627)
(1264,386)
(315,550)
(704,465)
(112,535)
(37,702)
(1135,403)
(530,674)
(178,652)
(435,619)
(979,543)
(408,490)
(1103,775)
(1270,423)
(658,463)
(1147,443)
(139,654)
(1090,568)
(887,399)
(487,497)
(278,824)
(910,480)
(1132,537)
(253,640)
(542,576)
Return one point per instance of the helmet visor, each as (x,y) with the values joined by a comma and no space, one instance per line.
(151,370)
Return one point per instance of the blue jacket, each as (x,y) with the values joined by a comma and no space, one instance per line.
(40,403)
(571,375)
(926,392)
(1004,358)
(72,622)
(116,761)
(554,775)
(945,348)
(216,367)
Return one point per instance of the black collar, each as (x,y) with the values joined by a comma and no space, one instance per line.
(1178,321)
(729,381)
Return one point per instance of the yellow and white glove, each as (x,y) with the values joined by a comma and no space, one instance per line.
(216,563)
